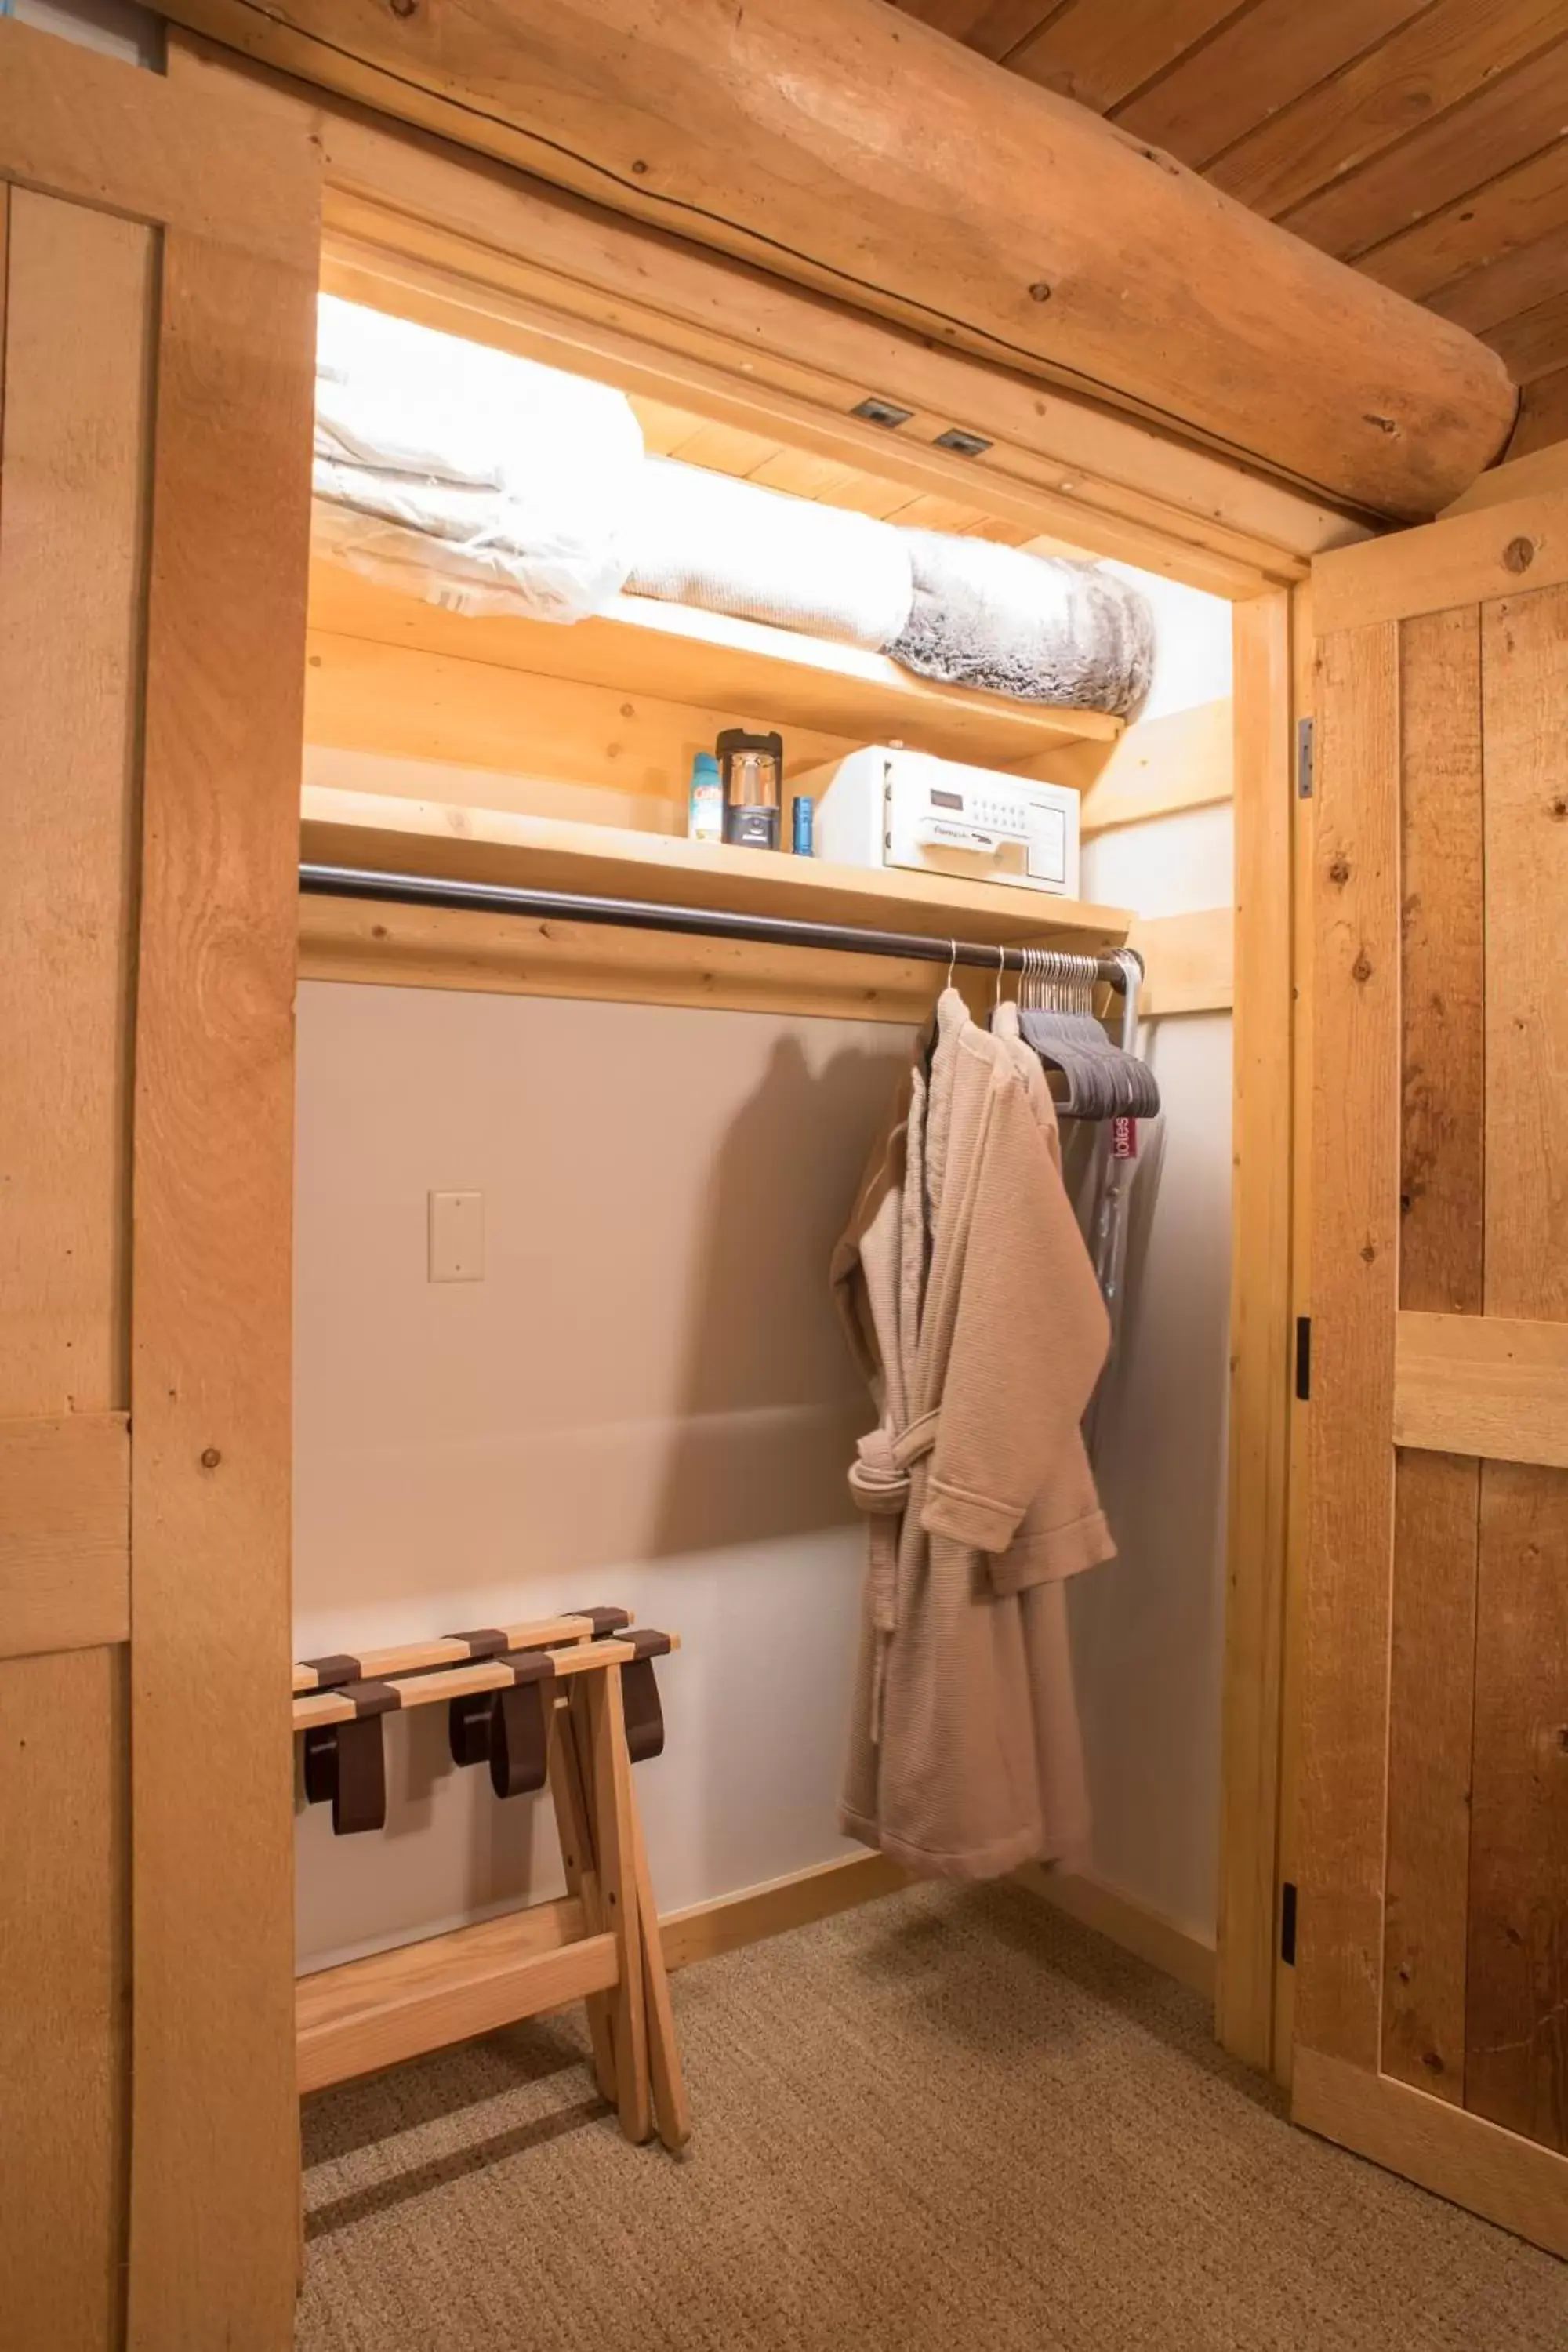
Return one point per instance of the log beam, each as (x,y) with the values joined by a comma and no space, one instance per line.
(845,146)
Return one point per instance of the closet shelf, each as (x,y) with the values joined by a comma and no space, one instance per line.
(678,654)
(480,845)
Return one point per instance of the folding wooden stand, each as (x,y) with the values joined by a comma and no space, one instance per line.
(567,1703)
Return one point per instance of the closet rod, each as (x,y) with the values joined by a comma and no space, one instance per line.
(644,915)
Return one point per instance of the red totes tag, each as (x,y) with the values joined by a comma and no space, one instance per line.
(1124,1138)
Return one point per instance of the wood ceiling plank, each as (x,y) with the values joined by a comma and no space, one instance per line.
(1513,117)
(723,448)
(1522,204)
(992,27)
(1262,60)
(804,474)
(932,513)
(1430,64)
(1542,415)
(1536,342)
(1502,290)
(1100,56)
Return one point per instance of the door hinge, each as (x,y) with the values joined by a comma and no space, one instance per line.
(1304,1359)
(1303,759)
(1288,1923)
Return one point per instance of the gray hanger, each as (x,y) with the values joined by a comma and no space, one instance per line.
(1104,1080)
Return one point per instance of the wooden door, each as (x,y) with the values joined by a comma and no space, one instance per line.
(1432,2006)
(157,269)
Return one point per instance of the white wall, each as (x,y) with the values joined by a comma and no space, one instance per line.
(1148,1628)
(646,1400)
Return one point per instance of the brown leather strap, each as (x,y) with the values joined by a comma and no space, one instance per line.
(604,1621)
(647,1643)
(358,1800)
(487,1641)
(518,1740)
(530,1665)
(320,1745)
(371,1698)
(472,1719)
(333,1673)
(345,1765)
(645,1716)
(468,1727)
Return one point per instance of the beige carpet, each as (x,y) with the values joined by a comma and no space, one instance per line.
(950,2120)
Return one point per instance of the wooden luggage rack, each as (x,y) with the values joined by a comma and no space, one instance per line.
(567,1703)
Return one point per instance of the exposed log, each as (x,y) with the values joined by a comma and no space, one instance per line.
(845,145)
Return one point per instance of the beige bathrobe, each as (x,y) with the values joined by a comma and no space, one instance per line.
(974,1311)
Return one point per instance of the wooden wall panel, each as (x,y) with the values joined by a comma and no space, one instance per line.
(65,1533)
(1517,1988)
(74,308)
(1356,1194)
(1525,667)
(63,1963)
(1436,1497)
(72,558)
(1517,2008)
(213,2214)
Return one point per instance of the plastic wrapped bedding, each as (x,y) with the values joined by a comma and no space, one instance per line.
(706,539)
(1040,628)
(465,476)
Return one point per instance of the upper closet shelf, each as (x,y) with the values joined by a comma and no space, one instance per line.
(479,844)
(678,654)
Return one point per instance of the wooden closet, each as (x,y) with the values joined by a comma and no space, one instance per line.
(1394,1634)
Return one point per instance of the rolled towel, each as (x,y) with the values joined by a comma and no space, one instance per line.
(700,537)
(479,481)
(1039,628)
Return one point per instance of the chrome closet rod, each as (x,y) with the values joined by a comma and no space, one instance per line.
(645,915)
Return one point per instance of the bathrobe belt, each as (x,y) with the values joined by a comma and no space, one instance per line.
(879,1483)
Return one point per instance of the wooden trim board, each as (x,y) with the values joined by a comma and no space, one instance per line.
(705,1930)
(1258,1467)
(1471,558)
(1482,1385)
(65,1533)
(1158,767)
(1512,2181)
(1541,472)
(223,169)
(1189,962)
(1122,1920)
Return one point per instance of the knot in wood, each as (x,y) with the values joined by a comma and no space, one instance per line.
(1518,555)
(403,7)
(1339,871)
(1361,969)
(211,1457)
(1039,291)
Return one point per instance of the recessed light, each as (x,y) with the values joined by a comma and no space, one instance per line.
(882,412)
